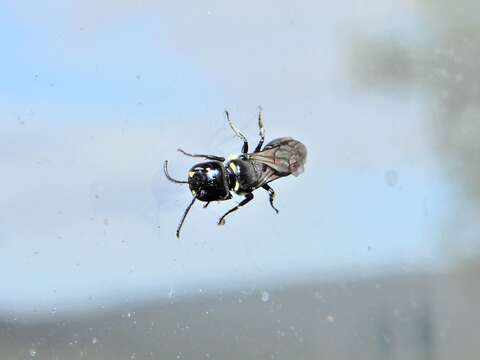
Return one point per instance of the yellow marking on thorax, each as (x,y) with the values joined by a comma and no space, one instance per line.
(233,166)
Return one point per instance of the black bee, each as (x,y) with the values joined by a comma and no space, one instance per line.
(214,180)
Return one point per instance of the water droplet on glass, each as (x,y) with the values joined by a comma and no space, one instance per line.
(94,340)
(391,178)
(32,352)
(265,296)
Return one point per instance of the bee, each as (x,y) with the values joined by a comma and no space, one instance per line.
(217,178)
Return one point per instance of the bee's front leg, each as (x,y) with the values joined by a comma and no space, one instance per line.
(209,157)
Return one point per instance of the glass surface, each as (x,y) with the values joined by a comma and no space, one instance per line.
(375,251)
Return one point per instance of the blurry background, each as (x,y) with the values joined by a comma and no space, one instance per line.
(374,253)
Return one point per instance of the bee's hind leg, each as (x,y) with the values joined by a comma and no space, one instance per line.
(271,194)
(261,132)
(248,197)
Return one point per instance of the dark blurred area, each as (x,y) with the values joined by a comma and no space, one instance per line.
(412,316)
(444,66)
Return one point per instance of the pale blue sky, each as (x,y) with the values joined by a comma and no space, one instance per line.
(94,97)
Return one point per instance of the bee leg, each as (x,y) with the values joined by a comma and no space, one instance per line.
(205,206)
(238,133)
(209,157)
(262,130)
(248,197)
(271,194)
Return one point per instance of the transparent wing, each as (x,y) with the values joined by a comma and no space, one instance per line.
(281,157)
